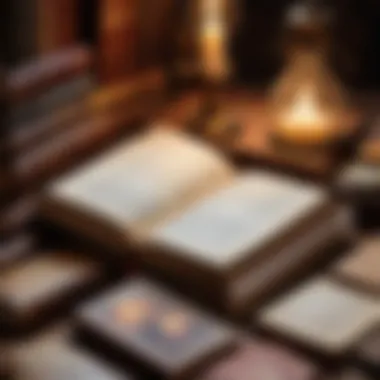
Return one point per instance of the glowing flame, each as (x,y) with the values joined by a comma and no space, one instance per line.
(306,113)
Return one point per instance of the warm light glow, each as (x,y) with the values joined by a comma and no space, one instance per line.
(305,120)
(213,36)
(307,102)
(305,113)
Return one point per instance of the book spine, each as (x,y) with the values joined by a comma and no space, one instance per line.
(38,75)
(146,87)
(6,174)
(51,101)
(68,148)
(154,31)
(58,24)
(117,39)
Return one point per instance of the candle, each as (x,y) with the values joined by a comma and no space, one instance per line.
(306,120)
(213,38)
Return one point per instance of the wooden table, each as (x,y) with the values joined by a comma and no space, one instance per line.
(254,145)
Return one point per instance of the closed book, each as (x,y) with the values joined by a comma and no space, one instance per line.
(369,150)
(367,350)
(247,238)
(154,31)
(43,285)
(15,248)
(257,360)
(123,193)
(36,76)
(40,27)
(322,315)
(18,214)
(117,39)
(49,358)
(58,24)
(142,89)
(360,183)
(142,323)
(67,148)
(360,268)
(50,101)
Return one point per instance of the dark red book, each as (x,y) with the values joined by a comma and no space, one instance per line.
(58,24)
(38,75)
(117,38)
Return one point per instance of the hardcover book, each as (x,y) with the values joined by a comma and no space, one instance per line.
(58,24)
(322,315)
(117,39)
(145,324)
(360,268)
(42,286)
(51,100)
(53,359)
(36,76)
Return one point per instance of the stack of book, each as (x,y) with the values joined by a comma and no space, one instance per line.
(177,206)
(360,179)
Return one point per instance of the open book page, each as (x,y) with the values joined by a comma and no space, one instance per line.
(140,181)
(245,214)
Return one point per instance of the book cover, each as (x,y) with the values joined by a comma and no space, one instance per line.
(117,39)
(57,24)
(155,31)
(35,76)
(52,100)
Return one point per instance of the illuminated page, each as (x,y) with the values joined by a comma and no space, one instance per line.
(250,211)
(142,179)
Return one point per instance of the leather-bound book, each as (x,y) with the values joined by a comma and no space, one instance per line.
(52,359)
(17,214)
(360,180)
(367,350)
(117,39)
(51,101)
(369,150)
(40,27)
(323,316)
(58,24)
(43,287)
(68,147)
(360,183)
(351,374)
(162,335)
(36,76)
(248,239)
(15,248)
(146,89)
(258,360)
(360,268)
(155,39)
(124,192)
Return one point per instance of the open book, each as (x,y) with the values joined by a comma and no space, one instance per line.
(125,192)
(231,234)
